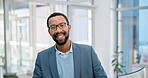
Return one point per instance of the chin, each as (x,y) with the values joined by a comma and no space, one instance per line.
(60,44)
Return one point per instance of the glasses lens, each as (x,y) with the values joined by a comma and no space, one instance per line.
(53,27)
(62,25)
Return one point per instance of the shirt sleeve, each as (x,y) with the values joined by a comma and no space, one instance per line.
(37,70)
(98,70)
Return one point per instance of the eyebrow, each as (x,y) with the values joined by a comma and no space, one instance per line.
(57,24)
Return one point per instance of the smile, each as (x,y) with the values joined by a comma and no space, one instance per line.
(60,36)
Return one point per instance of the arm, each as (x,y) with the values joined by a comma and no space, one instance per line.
(98,70)
(37,70)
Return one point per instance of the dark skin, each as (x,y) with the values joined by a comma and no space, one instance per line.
(60,35)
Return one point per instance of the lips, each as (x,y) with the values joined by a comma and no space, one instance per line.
(60,37)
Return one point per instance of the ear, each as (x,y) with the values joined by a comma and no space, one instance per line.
(69,27)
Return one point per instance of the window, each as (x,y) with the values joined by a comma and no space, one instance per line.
(19,39)
(81,31)
(1,30)
(132,30)
(28,32)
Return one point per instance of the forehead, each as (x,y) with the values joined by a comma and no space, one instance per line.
(56,20)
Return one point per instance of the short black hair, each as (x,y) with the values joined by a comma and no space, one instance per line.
(57,14)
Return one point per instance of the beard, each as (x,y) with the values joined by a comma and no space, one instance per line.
(61,42)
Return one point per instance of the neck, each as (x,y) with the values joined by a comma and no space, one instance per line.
(64,48)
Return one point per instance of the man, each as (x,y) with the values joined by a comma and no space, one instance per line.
(66,59)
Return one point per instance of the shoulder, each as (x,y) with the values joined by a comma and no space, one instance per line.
(46,51)
(82,46)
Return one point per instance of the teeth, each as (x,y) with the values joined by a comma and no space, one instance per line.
(60,36)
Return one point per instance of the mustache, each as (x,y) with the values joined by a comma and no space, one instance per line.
(55,35)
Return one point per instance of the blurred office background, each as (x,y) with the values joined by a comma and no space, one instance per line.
(104,24)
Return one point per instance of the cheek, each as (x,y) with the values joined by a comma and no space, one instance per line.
(51,33)
(67,30)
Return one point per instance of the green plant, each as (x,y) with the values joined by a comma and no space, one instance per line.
(115,62)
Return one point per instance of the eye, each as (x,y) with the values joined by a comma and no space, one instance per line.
(62,25)
(52,27)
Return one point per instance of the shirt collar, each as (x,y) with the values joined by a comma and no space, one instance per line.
(59,52)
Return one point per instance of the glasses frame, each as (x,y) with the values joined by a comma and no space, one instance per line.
(59,25)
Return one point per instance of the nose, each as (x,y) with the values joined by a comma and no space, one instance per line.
(58,29)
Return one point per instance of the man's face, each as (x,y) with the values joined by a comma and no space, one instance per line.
(60,35)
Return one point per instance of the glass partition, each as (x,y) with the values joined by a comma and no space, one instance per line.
(132,34)
(2,54)
(132,30)
(1,29)
(143,30)
(85,2)
(128,36)
(28,32)
(81,25)
(132,3)
(19,39)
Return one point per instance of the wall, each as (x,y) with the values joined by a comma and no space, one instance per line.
(102,39)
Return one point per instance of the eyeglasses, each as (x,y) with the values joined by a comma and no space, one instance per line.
(61,26)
